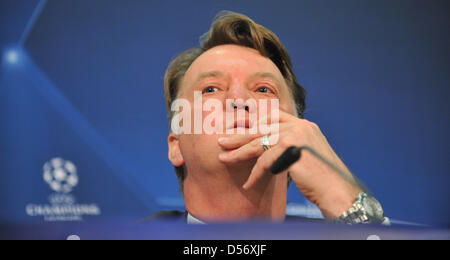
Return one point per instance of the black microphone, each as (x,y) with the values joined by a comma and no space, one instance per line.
(289,157)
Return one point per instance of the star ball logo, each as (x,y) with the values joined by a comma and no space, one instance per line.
(62,177)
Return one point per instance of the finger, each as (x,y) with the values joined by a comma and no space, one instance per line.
(249,151)
(236,141)
(276,116)
(262,166)
(277,123)
(246,152)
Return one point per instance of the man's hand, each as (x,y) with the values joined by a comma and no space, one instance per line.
(332,193)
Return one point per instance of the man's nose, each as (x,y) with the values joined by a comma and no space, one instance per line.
(238,95)
(239,104)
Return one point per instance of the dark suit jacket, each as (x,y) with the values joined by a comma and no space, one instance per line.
(178,216)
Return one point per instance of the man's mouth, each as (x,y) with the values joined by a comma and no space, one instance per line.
(240,124)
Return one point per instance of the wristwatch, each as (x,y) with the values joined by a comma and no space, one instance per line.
(365,210)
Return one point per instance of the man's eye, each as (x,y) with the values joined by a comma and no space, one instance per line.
(264,90)
(210,90)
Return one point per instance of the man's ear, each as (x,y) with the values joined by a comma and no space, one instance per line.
(175,155)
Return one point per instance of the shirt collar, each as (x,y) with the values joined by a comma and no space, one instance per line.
(192,220)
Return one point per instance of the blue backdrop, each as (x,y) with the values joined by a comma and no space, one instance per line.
(83,81)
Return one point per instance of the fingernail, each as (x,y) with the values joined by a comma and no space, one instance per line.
(223,140)
(223,156)
(245,186)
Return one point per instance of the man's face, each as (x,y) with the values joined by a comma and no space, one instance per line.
(221,73)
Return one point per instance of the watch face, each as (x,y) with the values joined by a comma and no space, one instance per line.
(373,208)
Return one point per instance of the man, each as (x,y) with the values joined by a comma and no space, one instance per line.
(225,177)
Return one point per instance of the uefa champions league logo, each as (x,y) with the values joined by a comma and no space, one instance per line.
(61,175)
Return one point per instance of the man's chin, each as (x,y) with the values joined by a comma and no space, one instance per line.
(240,172)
